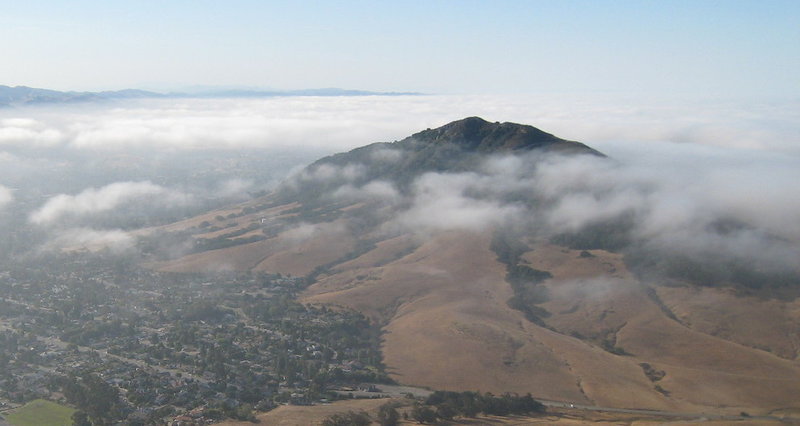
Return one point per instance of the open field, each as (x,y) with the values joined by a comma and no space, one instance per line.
(301,415)
(41,413)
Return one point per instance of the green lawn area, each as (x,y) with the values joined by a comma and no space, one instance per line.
(41,413)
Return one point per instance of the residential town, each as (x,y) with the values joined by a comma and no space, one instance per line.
(160,346)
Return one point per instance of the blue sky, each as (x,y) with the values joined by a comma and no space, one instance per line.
(706,48)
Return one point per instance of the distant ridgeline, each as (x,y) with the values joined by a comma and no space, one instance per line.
(22,95)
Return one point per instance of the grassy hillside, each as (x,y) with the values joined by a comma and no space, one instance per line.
(603,336)
(606,340)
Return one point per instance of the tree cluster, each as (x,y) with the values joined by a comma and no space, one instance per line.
(469,404)
(350,418)
(94,397)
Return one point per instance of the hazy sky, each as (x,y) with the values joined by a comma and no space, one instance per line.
(714,48)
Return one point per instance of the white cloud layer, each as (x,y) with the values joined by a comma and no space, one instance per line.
(340,123)
(28,132)
(680,166)
(699,201)
(736,204)
(374,190)
(234,187)
(92,200)
(92,239)
(6,196)
(441,202)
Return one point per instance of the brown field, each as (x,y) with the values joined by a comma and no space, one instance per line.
(300,415)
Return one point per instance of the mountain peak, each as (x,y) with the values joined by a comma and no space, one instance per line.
(478,135)
(466,127)
(460,146)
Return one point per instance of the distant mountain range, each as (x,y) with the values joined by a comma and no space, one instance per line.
(23,95)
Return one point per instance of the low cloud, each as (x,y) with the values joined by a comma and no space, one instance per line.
(340,123)
(327,176)
(234,188)
(386,155)
(727,205)
(28,132)
(376,190)
(6,196)
(306,231)
(441,202)
(732,204)
(91,239)
(91,201)
(328,172)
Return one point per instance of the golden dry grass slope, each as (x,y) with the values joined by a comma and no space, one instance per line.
(447,326)
(609,340)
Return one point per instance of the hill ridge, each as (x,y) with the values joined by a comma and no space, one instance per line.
(477,134)
(459,146)
(11,96)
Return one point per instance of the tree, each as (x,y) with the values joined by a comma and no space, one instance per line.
(388,415)
(245,412)
(95,398)
(469,406)
(351,418)
(446,411)
(79,418)
(423,414)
